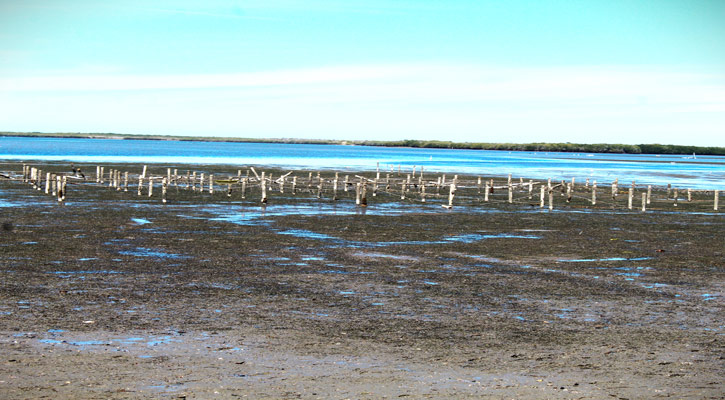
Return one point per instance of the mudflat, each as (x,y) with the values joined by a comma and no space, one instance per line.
(114,295)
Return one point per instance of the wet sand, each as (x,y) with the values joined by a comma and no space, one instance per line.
(112,295)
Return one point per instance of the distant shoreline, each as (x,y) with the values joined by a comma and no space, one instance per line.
(546,147)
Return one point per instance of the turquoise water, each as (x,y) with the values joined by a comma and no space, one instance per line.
(702,172)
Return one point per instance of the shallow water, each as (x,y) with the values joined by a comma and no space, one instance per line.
(700,173)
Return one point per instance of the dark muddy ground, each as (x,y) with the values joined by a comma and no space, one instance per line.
(112,295)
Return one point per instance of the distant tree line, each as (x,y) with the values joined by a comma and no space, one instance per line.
(431,144)
(554,147)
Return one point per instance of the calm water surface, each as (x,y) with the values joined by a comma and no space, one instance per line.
(702,172)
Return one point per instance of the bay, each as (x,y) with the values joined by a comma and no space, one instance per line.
(697,172)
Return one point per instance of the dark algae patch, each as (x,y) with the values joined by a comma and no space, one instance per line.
(210,296)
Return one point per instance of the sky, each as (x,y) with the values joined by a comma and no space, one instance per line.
(512,71)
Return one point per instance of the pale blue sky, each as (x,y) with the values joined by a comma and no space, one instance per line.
(482,71)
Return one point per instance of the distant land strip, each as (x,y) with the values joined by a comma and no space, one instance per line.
(430,144)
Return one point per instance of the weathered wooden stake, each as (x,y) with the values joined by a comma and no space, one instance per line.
(264,189)
(102,181)
(347,178)
(689,195)
(644,201)
(229,189)
(531,188)
(594,193)
(47,183)
(294,185)
(193,182)
(451,194)
(140,184)
(244,187)
(717,199)
(422,193)
(551,200)
(649,194)
(478,185)
(629,198)
(54,185)
(151,186)
(319,186)
(125,181)
(334,186)
(201,183)
(485,192)
(568,192)
(669,190)
(402,190)
(357,194)
(677,194)
(511,191)
(145,169)
(164,185)
(211,183)
(364,195)
(375,187)
(59,186)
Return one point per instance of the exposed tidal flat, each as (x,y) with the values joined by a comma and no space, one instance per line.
(112,294)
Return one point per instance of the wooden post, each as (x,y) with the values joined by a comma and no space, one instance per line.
(485,192)
(98,174)
(125,181)
(334,186)
(402,190)
(543,194)
(294,185)
(677,194)
(443,180)
(649,194)
(309,180)
(188,178)
(264,189)
(594,193)
(531,188)
(586,185)
(244,187)
(54,184)
(689,195)
(201,183)
(422,193)
(319,186)
(629,198)
(717,199)
(548,184)
(193,182)
(59,187)
(164,185)
(363,195)
(669,190)
(176,178)
(413,171)
(211,183)
(357,194)
(509,180)
(140,184)
(568,192)
(102,181)
(145,169)
(347,178)
(438,185)
(644,201)
(511,191)
(375,187)
(151,186)
(47,182)
(407,182)
(551,200)
(614,190)
(229,189)
(573,180)
(451,194)
(387,182)
(478,185)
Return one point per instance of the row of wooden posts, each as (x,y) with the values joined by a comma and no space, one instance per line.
(55,184)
